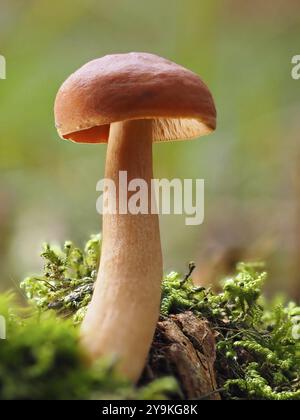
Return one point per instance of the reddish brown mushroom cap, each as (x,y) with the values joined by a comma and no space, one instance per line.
(133,86)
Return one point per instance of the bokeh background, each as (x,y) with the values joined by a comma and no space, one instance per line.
(251,165)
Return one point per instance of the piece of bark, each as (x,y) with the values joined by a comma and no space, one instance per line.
(184,347)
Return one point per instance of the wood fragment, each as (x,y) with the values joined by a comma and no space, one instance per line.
(184,347)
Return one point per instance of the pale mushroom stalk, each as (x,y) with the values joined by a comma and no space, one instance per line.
(122,316)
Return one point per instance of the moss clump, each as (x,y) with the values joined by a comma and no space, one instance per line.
(66,284)
(41,359)
(258,353)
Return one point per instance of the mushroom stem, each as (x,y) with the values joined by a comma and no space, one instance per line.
(124,311)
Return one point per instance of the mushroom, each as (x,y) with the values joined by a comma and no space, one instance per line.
(130,101)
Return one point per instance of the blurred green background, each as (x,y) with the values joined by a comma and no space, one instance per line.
(251,165)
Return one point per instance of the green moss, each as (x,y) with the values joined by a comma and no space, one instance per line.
(66,284)
(258,354)
(41,359)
